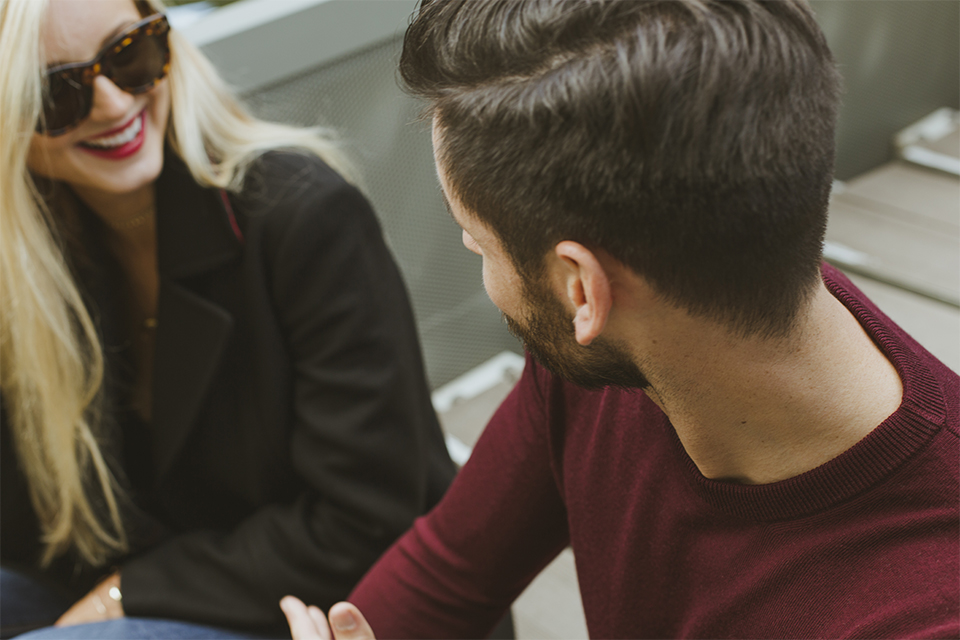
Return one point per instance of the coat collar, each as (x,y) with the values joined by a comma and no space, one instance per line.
(193,229)
(194,236)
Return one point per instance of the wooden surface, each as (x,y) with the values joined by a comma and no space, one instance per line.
(904,221)
(898,251)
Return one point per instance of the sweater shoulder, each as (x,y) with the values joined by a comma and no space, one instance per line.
(924,374)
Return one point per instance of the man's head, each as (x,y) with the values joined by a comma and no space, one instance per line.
(532,310)
(692,141)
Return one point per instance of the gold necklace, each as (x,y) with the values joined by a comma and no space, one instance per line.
(133,222)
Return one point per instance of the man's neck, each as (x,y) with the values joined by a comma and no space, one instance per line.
(758,411)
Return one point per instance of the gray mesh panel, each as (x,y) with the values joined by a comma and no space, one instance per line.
(358,96)
(899,63)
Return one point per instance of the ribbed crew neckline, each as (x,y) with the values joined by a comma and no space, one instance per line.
(920,416)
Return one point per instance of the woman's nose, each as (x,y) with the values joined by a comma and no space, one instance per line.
(110,102)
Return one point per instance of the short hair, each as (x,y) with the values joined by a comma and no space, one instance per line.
(691,140)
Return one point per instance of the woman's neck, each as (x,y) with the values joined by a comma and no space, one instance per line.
(131,235)
(129,216)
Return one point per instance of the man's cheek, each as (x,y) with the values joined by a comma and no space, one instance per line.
(488,285)
(494,287)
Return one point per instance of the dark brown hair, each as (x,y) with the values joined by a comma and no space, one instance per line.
(691,140)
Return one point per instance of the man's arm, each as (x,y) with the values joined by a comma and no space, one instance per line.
(461,566)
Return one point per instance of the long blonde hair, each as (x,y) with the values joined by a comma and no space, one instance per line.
(51,361)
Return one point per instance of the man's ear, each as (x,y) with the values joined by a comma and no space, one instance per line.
(587,288)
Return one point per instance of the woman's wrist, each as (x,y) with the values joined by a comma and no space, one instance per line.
(101,603)
(109,595)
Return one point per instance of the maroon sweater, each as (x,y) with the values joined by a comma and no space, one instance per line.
(865,545)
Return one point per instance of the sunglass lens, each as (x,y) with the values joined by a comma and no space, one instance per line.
(138,65)
(66,102)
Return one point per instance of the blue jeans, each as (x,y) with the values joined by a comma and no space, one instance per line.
(26,604)
(135,629)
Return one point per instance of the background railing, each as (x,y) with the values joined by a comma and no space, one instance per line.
(333,63)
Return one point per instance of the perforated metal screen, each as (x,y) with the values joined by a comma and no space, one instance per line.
(899,60)
(358,96)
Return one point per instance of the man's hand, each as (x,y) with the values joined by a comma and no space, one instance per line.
(96,606)
(308,623)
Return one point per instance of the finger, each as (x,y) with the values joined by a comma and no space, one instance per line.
(302,626)
(348,623)
(320,621)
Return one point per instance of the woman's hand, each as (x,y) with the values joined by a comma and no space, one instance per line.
(98,605)
(308,623)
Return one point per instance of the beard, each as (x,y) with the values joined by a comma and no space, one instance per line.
(547,332)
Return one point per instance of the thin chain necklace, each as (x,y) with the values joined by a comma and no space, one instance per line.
(134,222)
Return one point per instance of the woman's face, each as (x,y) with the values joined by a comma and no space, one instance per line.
(118,148)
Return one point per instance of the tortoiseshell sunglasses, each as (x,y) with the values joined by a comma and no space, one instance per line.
(135,61)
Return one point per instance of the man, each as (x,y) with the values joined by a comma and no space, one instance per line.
(732,438)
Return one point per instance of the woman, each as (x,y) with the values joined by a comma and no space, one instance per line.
(212,389)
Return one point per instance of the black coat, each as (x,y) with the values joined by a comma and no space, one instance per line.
(292,437)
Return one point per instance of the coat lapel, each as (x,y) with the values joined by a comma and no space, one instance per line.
(194,237)
(191,336)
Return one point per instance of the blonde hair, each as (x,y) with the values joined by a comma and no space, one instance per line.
(51,361)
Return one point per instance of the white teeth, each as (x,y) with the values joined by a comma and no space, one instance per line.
(118,139)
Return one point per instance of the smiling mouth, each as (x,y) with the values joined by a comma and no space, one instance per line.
(118,139)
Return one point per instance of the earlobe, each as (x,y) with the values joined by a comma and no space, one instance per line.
(587,288)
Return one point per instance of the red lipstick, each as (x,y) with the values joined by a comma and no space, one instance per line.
(125,150)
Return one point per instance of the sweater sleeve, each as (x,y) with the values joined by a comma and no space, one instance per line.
(362,440)
(459,568)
